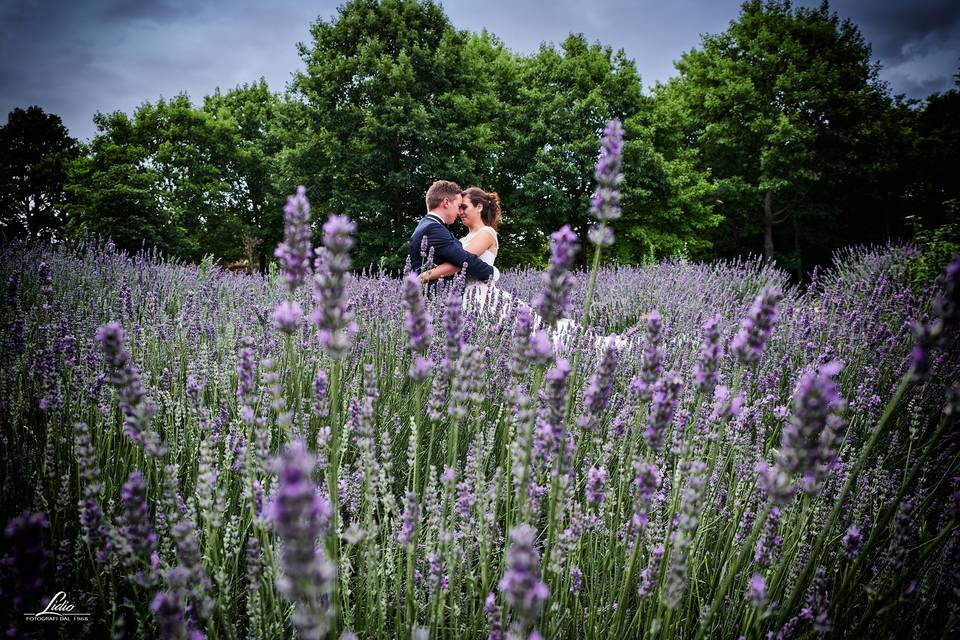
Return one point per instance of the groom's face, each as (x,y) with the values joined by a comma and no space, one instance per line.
(450,207)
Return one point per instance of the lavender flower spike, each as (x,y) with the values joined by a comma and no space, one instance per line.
(553,302)
(707,369)
(661,412)
(300,516)
(810,438)
(295,250)
(605,205)
(417,320)
(492,612)
(333,317)
(521,585)
(138,410)
(599,390)
(757,327)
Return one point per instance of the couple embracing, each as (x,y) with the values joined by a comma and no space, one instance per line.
(479,212)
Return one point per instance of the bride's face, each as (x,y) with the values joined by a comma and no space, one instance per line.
(470,212)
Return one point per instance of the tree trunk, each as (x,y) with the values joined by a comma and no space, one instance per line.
(768,225)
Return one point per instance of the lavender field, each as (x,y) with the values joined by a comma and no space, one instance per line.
(709,452)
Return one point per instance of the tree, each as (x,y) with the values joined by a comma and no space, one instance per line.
(374,80)
(783,108)
(255,185)
(115,191)
(566,97)
(190,180)
(35,154)
(937,137)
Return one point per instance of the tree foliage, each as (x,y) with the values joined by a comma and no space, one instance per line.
(35,155)
(785,108)
(776,136)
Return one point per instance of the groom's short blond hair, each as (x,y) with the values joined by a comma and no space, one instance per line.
(439,190)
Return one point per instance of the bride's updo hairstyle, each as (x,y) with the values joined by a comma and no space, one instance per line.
(490,214)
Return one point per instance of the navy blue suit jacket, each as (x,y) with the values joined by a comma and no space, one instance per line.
(446,248)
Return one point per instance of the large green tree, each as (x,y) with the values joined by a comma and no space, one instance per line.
(567,95)
(255,185)
(189,180)
(786,111)
(35,155)
(374,83)
(115,191)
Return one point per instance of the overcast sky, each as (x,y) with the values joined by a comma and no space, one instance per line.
(77,57)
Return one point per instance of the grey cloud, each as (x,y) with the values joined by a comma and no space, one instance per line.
(75,58)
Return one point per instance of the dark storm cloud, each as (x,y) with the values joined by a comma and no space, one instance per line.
(76,57)
(918,43)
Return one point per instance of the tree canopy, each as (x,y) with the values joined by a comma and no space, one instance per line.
(35,155)
(776,135)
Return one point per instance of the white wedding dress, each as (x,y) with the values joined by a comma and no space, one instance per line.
(485,297)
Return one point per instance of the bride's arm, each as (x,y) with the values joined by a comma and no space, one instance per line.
(477,245)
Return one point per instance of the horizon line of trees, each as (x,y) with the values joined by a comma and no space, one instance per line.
(776,137)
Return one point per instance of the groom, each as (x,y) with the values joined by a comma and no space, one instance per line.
(443,204)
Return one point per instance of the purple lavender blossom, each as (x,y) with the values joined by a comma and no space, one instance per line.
(522,329)
(136,516)
(852,541)
(138,410)
(417,321)
(599,390)
(653,355)
(691,499)
(651,573)
(769,541)
(321,404)
(707,369)
(287,316)
(647,480)
(453,315)
(420,368)
(246,370)
(195,584)
(757,327)
(550,418)
(301,516)
(169,613)
(757,590)
(596,478)
(553,301)
(411,514)
(492,611)
(521,585)
(809,440)
(661,413)
(331,314)
(605,205)
(725,405)
(600,236)
(576,580)
(138,534)
(295,250)
(91,517)
(467,385)
(539,349)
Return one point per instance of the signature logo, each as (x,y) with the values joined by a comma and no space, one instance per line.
(59,609)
